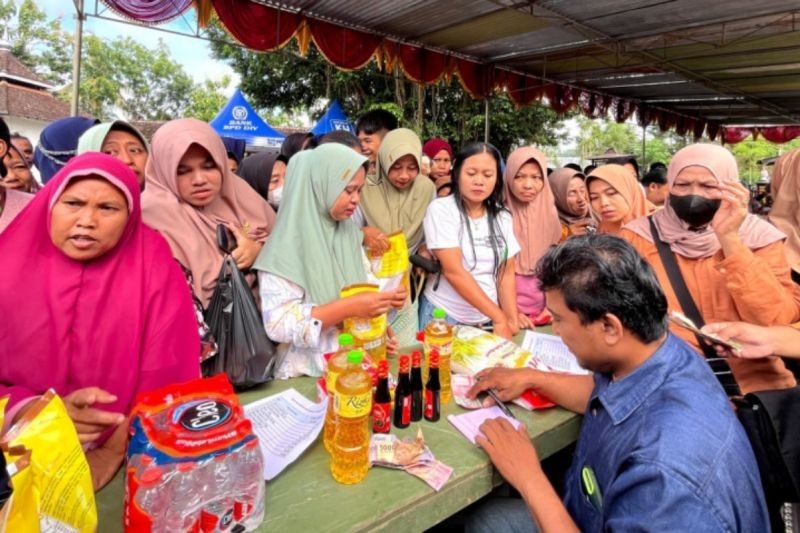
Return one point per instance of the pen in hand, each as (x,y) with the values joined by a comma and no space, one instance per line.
(500,404)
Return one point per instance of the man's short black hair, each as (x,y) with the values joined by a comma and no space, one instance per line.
(574,166)
(375,121)
(342,137)
(588,170)
(601,274)
(656,175)
(18,135)
(658,164)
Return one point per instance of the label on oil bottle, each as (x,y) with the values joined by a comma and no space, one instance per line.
(353,406)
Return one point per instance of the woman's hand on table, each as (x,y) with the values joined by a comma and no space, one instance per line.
(90,422)
(503,329)
(105,460)
(524,321)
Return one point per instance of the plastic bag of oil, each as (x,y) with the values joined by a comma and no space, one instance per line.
(369,333)
(53,489)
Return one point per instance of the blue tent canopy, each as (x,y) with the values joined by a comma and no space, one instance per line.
(239,120)
(333,119)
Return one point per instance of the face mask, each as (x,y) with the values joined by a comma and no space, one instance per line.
(274,196)
(695,210)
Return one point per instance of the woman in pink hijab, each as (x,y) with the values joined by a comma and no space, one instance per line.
(108,315)
(190,191)
(733,263)
(536,225)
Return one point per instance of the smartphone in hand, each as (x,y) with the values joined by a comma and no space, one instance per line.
(225,239)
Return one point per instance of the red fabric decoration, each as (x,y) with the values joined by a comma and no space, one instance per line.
(666,120)
(257,26)
(780,134)
(735,135)
(622,109)
(475,78)
(347,49)
(712,130)
(562,98)
(699,126)
(523,90)
(420,64)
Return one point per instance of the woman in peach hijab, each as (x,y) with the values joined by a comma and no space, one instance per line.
(536,225)
(190,191)
(616,197)
(785,212)
(733,263)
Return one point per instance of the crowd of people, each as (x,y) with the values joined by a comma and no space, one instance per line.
(109,266)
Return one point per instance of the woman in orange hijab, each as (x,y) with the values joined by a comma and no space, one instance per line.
(616,197)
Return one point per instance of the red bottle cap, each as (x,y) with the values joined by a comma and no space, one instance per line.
(434,359)
(416,359)
(421,336)
(185,467)
(404,364)
(383,369)
(151,477)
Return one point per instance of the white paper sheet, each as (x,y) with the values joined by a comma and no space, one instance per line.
(552,352)
(286,424)
(470,422)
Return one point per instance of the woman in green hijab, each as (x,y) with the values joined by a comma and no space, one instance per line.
(312,253)
(120,140)
(397,200)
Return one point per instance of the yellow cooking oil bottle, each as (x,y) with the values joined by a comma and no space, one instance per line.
(439,337)
(353,405)
(336,365)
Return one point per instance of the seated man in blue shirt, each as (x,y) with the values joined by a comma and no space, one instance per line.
(660,447)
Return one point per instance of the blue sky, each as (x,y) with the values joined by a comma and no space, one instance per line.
(193,54)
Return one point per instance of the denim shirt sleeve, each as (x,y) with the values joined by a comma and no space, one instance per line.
(648,496)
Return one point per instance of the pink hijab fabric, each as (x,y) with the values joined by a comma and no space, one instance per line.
(123,322)
(15,203)
(192,232)
(754,232)
(785,212)
(536,223)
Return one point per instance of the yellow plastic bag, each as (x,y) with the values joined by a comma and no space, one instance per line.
(369,333)
(55,492)
(393,267)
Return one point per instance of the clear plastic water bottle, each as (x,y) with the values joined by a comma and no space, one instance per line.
(183,513)
(218,513)
(152,497)
(249,504)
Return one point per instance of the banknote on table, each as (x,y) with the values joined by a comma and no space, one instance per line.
(460,384)
(434,474)
(411,455)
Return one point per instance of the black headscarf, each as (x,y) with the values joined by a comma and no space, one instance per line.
(256,170)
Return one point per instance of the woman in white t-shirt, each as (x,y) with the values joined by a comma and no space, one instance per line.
(472,236)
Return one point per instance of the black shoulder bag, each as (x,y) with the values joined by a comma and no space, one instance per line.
(770,418)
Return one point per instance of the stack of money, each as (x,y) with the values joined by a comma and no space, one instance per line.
(411,455)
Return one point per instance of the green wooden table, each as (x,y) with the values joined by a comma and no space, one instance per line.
(304,497)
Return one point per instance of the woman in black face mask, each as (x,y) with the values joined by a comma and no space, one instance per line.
(733,263)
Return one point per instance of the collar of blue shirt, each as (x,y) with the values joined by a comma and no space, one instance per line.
(621,398)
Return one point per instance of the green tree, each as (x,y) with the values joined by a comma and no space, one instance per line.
(598,136)
(41,45)
(749,152)
(125,77)
(207,99)
(295,84)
